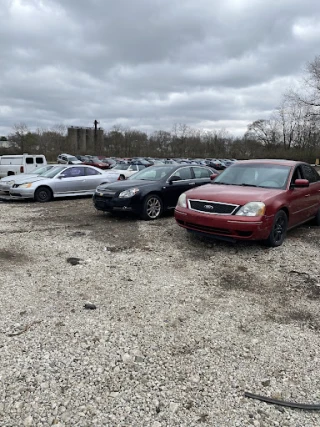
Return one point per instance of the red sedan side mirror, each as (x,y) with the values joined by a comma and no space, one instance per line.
(213,176)
(301,183)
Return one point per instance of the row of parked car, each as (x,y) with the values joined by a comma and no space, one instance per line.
(109,162)
(249,200)
(59,180)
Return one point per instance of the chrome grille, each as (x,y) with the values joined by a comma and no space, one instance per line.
(212,207)
(107,193)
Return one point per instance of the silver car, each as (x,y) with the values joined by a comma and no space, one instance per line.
(7,182)
(60,181)
(68,159)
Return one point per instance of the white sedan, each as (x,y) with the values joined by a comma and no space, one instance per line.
(126,169)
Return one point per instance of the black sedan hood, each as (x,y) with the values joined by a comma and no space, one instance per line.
(125,185)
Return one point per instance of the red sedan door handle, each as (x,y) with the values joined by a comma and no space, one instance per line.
(307,195)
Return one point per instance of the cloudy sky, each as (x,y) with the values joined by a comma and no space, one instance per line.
(150,64)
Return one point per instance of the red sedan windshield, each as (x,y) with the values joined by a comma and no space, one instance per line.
(255,175)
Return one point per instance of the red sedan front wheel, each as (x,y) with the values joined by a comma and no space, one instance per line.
(279,230)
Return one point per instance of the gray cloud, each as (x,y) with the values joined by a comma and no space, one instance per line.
(149,65)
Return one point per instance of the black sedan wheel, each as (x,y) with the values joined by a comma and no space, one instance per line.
(152,207)
(279,230)
(317,218)
(43,194)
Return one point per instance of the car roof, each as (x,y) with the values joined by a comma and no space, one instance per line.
(281,162)
(176,166)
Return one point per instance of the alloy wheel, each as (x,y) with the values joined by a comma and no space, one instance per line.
(153,207)
(279,229)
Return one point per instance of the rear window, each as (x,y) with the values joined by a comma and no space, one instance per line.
(39,160)
(29,160)
(122,167)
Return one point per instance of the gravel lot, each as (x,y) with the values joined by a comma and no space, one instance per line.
(183,326)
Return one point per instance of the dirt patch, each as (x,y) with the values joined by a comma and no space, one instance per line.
(305,283)
(12,257)
(300,317)
(237,281)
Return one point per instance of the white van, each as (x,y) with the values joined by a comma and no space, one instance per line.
(20,163)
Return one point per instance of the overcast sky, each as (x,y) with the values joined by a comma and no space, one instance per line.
(150,64)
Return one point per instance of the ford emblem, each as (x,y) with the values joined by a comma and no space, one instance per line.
(208,207)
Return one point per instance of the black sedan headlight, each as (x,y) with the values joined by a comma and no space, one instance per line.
(129,193)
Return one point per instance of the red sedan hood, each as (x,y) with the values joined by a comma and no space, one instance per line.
(232,193)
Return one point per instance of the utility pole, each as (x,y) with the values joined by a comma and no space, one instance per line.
(95,133)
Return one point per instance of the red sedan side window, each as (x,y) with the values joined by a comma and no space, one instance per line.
(309,173)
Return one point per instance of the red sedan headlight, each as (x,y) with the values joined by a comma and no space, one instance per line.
(252,209)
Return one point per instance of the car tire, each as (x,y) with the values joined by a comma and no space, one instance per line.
(122,177)
(317,218)
(278,230)
(43,195)
(152,207)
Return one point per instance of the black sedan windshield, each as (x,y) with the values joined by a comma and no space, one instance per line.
(255,175)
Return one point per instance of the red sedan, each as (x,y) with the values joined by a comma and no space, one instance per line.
(96,162)
(253,200)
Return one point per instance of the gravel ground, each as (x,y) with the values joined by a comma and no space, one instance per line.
(183,326)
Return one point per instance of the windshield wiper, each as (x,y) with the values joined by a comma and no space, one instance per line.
(248,185)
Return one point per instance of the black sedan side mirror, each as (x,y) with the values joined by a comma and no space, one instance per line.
(174,178)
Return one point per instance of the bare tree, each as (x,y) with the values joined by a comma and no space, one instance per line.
(160,143)
(17,138)
(264,131)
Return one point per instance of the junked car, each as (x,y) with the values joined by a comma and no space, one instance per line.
(253,200)
(96,162)
(61,181)
(7,182)
(68,159)
(151,191)
(126,169)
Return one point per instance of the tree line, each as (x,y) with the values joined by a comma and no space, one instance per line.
(292,132)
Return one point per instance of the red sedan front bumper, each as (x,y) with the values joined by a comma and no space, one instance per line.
(227,226)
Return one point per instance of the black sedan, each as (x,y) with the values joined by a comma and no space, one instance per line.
(151,191)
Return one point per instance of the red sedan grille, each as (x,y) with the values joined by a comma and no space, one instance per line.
(212,207)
